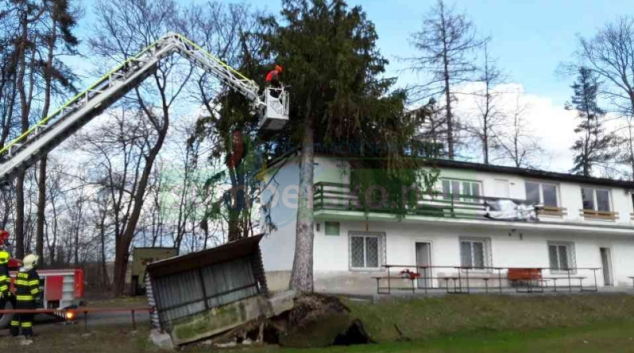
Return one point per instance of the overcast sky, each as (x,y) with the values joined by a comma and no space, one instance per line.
(530,40)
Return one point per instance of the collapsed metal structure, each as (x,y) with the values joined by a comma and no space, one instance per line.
(184,286)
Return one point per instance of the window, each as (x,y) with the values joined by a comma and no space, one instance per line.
(539,193)
(366,250)
(461,190)
(562,256)
(474,252)
(332,228)
(596,199)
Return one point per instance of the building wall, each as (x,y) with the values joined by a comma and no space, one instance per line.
(331,261)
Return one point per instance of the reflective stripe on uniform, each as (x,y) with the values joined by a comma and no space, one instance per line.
(35,282)
(21,282)
(3,278)
(15,323)
(34,291)
(24,297)
(4,288)
(27,324)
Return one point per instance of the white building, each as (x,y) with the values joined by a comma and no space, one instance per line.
(585,223)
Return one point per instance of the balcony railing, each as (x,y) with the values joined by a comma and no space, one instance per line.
(485,279)
(553,211)
(339,197)
(600,215)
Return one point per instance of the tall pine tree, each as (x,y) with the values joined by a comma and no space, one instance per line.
(340,104)
(593,147)
(338,97)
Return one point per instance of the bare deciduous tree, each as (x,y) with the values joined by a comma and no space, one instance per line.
(609,54)
(517,143)
(446,43)
(489,116)
(125,27)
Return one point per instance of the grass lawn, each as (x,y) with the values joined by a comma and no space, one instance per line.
(474,323)
(604,337)
(601,337)
(427,318)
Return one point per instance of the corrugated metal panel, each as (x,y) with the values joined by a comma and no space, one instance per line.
(229,281)
(187,285)
(178,295)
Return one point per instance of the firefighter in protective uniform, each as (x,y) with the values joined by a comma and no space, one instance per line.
(5,278)
(27,294)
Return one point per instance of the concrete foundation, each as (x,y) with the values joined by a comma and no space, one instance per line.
(227,317)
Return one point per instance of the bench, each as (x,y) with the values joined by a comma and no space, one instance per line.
(524,274)
(569,279)
(527,276)
(463,279)
(389,283)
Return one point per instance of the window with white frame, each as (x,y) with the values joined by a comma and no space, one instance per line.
(561,256)
(366,250)
(596,199)
(475,252)
(461,190)
(542,193)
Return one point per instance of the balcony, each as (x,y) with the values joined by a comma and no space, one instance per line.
(338,197)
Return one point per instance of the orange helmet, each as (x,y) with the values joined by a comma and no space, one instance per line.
(278,68)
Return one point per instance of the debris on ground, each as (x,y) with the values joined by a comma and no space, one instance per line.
(314,321)
(161,339)
(238,309)
(319,321)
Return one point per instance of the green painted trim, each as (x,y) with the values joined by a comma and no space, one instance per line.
(329,228)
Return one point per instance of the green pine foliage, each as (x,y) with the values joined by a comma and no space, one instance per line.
(335,75)
(594,146)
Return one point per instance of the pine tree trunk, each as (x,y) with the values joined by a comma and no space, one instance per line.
(302,275)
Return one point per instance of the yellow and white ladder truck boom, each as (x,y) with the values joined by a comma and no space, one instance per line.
(43,137)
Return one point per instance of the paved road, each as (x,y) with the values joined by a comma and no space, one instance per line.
(95,319)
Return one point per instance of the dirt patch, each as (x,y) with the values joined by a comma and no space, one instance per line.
(311,307)
(319,321)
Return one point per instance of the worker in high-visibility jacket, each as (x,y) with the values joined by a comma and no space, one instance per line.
(27,294)
(5,278)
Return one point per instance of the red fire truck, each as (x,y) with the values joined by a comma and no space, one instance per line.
(60,288)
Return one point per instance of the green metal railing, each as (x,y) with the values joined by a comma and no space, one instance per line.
(339,197)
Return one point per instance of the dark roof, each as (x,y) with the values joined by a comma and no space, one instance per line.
(533,173)
(526,172)
(227,252)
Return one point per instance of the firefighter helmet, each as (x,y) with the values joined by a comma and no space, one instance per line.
(30,261)
(4,257)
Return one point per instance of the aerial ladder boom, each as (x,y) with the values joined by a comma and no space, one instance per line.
(43,137)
